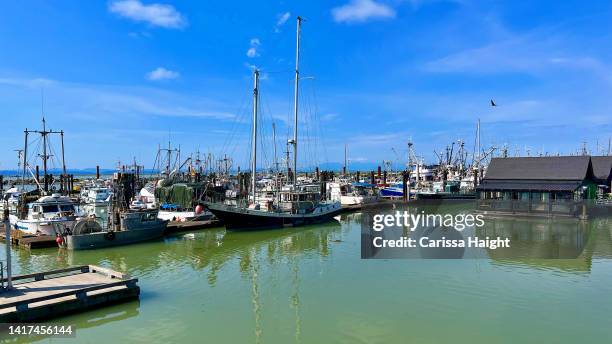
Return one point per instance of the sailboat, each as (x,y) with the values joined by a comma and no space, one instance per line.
(295,204)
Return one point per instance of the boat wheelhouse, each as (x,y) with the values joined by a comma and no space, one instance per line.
(42,215)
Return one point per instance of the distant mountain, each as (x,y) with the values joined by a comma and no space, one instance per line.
(331,166)
(82,171)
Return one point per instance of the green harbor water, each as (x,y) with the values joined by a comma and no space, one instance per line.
(309,285)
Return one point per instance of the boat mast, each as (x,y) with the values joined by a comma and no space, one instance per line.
(275,159)
(254,140)
(44,155)
(63,156)
(295,102)
(25,161)
(345,161)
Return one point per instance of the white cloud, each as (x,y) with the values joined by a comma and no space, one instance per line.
(155,14)
(361,11)
(161,73)
(252,51)
(282,19)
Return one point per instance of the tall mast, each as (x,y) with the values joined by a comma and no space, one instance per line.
(345,160)
(25,160)
(295,102)
(275,158)
(254,140)
(478,143)
(44,155)
(63,156)
(168,162)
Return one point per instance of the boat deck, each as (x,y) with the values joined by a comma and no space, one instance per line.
(50,294)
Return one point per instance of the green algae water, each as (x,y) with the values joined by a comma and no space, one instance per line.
(309,285)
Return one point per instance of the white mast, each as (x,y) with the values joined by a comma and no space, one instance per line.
(478,143)
(254,141)
(295,103)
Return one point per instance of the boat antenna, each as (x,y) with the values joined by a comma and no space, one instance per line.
(295,101)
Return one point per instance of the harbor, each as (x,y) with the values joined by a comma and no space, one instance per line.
(367,171)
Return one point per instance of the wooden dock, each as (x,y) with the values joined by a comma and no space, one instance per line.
(178,226)
(54,293)
(19,238)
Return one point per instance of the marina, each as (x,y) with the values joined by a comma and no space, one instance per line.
(366,171)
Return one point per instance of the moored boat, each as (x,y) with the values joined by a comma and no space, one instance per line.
(44,214)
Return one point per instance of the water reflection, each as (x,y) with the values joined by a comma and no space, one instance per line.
(564,244)
(532,239)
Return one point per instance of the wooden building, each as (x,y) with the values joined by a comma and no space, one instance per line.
(538,185)
(602,168)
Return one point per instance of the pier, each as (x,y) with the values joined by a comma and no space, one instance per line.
(44,295)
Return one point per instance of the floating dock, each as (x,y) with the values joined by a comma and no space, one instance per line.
(22,239)
(55,293)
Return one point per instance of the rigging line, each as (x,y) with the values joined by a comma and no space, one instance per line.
(234,127)
(315,117)
(273,122)
(262,130)
(34,152)
(288,71)
(234,131)
(306,125)
(321,128)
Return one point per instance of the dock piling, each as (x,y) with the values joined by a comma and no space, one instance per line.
(7,228)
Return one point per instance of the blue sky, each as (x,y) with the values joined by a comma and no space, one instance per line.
(120,77)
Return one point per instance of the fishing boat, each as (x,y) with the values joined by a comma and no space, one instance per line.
(95,202)
(39,211)
(124,225)
(132,227)
(353,195)
(44,214)
(294,204)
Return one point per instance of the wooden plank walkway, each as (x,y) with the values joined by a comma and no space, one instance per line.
(50,294)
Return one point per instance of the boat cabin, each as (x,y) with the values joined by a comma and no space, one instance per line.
(54,206)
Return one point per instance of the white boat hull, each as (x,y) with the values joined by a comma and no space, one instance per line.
(39,227)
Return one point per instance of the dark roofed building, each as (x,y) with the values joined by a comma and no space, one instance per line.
(602,169)
(537,184)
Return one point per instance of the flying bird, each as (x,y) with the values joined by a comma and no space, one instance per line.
(493,103)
